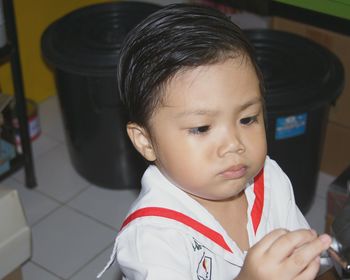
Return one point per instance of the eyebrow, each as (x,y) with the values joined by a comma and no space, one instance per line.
(199,112)
(252,102)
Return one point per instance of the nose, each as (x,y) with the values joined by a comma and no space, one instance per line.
(230,142)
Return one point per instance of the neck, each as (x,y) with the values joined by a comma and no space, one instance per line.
(222,207)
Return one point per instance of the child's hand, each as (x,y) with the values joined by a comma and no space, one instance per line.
(285,255)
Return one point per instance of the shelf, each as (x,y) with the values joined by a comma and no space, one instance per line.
(15,165)
(10,53)
(5,52)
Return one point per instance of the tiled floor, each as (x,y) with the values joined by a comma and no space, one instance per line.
(73,222)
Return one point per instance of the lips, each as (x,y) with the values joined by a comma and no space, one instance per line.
(234,172)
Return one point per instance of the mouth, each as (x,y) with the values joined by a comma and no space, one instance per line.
(234,172)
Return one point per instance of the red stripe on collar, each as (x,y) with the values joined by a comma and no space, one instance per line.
(179,217)
(259,200)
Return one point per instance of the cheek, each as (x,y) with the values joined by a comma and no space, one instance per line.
(183,155)
(256,141)
(183,160)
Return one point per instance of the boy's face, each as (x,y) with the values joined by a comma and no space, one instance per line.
(208,136)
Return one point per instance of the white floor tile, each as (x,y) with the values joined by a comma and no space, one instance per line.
(108,206)
(324,180)
(93,268)
(65,241)
(42,145)
(31,271)
(35,204)
(316,216)
(56,176)
(51,118)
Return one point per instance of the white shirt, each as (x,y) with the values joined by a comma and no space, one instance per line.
(168,235)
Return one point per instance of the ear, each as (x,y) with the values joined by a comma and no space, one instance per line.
(141,141)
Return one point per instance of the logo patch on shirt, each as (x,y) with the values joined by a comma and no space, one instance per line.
(204,268)
(196,246)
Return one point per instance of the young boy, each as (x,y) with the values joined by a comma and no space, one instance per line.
(212,204)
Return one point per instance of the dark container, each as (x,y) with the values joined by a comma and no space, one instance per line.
(83,48)
(302,80)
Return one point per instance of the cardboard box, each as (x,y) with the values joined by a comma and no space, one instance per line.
(15,234)
(15,275)
(336,151)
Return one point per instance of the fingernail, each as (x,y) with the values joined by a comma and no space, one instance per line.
(325,239)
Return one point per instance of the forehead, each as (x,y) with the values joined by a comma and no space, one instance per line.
(234,78)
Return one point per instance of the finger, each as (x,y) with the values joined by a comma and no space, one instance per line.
(286,244)
(310,271)
(307,253)
(266,242)
(314,248)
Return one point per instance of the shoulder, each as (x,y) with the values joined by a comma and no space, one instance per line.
(151,248)
(142,229)
(153,234)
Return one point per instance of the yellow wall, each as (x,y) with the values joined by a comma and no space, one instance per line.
(32,18)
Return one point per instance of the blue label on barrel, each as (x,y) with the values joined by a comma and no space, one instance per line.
(290,126)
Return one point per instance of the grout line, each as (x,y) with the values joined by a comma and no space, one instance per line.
(93,259)
(37,157)
(93,218)
(65,204)
(45,216)
(95,255)
(45,269)
(78,193)
(60,142)
(60,204)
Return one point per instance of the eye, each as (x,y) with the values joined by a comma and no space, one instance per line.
(248,120)
(199,130)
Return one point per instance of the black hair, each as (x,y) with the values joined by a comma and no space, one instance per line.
(174,38)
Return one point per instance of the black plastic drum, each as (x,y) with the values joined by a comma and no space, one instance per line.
(83,47)
(302,81)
